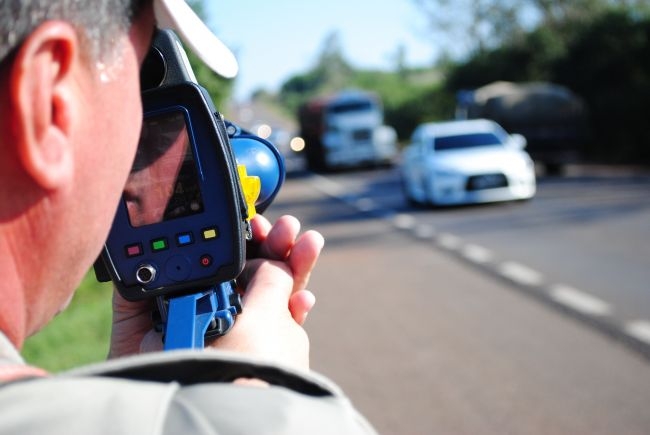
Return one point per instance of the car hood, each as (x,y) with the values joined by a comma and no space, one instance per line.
(475,160)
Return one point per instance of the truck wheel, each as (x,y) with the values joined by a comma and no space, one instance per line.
(555,169)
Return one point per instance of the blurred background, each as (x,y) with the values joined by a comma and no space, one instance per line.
(423,57)
(501,313)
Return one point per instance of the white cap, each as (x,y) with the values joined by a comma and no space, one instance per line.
(179,16)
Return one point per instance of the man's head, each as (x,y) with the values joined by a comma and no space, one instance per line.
(98,21)
(71,116)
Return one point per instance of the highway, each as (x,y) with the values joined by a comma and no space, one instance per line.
(523,318)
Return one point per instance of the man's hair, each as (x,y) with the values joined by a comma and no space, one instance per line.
(98,22)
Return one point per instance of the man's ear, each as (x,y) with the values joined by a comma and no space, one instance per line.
(41,94)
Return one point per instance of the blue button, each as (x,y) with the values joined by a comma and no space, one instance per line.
(184,239)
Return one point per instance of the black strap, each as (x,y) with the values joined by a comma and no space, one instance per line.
(190,371)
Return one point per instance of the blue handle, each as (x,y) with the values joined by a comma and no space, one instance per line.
(190,318)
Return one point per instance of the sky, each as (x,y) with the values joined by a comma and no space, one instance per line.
(275,40)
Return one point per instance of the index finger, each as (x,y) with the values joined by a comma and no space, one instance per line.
(276,243)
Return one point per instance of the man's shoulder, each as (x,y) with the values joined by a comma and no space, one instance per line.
(207,366)
(62,404)
(189,392)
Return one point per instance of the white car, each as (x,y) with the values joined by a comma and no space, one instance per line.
(466,161)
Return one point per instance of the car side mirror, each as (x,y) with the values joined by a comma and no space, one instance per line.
(519,141)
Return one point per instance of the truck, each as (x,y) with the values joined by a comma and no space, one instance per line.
(346,130)
(551,117)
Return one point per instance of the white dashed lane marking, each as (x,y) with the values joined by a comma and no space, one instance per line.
(404,221)
(477,254)
(577,300)
(449,241)
(639,329)
(424,231)
(520,274)
(329,187)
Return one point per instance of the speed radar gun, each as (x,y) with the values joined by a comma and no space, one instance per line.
(181,228)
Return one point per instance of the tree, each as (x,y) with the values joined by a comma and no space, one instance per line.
(334,70)
(330,73)
(479,26)
(532,58)
(472,26)
(609,65)
(218,87)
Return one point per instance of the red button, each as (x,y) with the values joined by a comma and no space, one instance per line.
(134,250)
(206,260)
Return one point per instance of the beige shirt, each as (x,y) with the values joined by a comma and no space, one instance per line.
(8,353)
(12,365)
(177,392)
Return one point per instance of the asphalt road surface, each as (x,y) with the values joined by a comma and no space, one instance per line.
(486,320)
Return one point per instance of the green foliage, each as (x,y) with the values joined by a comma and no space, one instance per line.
(331,73)
(409,96)
(608,63)
(600,49)
(529,59)
(77,336)
(602,54)
(605,60)
(219,88)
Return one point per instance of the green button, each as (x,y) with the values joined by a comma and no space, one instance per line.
(159,245)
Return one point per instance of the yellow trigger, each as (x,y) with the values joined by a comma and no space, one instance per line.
(252,187)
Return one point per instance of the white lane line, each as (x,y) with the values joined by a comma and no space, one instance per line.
(639,329)
(404,221)
(520,273)
(514,271)
(328,186)
(449,241)
(579,300)
(424,231)
(477,254)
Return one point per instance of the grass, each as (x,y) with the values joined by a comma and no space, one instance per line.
(79,335)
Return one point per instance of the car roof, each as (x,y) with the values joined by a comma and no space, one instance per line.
(456,127)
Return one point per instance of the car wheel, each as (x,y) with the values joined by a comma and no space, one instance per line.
(407,195)
(428,192)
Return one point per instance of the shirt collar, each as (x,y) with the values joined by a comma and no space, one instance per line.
(8,352)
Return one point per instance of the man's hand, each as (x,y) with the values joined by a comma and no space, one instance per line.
(275,299)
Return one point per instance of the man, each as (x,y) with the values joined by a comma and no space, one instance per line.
(70,120)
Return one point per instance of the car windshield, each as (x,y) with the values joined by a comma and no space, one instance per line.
(471,140)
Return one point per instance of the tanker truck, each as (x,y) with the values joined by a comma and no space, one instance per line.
(346,130)
(550,117)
